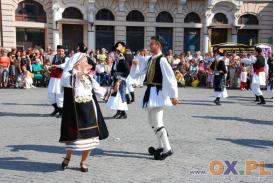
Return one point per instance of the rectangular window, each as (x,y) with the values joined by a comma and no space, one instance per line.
(135,38)
(167,34)
(105,36)
(191,39)
(29,37)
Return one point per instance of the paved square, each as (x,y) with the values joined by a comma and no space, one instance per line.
(200,132)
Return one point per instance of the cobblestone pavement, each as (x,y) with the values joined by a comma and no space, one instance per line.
(200,132)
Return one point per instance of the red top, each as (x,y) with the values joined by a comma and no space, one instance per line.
(5,62)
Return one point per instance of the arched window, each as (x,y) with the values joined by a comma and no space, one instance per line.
(220,18)
(248,19)
(30,10)
(192,17)
(72,13)
(105,14)
(135,16)
(164,16)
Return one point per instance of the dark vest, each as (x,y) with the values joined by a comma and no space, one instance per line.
(153,78)
(259,63)
(154,74)
(58,62)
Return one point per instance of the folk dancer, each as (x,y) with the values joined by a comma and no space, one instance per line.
(120,71)
(82,124)
(161,91)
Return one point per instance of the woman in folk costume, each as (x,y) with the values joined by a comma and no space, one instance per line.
(120,71)
(258,77)
(220,71)
(161,91)
(82,124)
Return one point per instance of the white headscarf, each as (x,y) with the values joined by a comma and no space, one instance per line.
(73,60)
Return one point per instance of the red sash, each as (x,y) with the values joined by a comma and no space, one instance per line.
(56,73)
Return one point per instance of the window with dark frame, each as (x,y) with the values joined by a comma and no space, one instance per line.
(165,17)
(105,14)
(248,19)
(192,17)
(30,10)
(72,13)
(135,16)
(220,18)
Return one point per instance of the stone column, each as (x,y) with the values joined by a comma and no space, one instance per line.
(91,27)
(55,27)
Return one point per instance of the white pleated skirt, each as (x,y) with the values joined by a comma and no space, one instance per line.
(157,99)
(115,103)
(82,145)
(55,86)
(222,94)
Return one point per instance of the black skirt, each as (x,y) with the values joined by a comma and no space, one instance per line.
(219,82)
(81,120)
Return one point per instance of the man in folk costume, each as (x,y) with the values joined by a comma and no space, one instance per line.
(220,71)
(82,124)
(258,77)
(120,71)
(55,93)
(161,91)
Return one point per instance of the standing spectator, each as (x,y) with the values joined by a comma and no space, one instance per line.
(107,70)
(42,56)
(170,57)
(17,64)
(25,61)
(270,74)
(193,69)
(12,77)
(198,57)
(99,68)
(49,55)
(232,70)
(4,69)
(202,73)
(189,56)
(243,78)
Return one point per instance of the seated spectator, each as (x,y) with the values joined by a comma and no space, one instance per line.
(37,70)
(175,61)
(195,82)
(26,81)
(179,78)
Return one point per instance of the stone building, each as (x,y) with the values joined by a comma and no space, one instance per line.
(184,24)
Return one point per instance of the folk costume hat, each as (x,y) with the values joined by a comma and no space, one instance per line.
(59,47)
(120,46)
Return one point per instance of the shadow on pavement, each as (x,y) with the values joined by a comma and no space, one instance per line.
(250,142)
(23,164)
(61,150)
(22,114)
(9,103)
(252,121)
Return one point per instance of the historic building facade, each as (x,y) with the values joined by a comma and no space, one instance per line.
(184,24)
